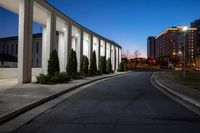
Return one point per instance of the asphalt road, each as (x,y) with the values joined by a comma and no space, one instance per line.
(127,104)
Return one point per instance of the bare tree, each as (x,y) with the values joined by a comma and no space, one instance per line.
(136,55)
(126,54)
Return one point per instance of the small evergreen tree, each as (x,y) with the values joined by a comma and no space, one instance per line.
(109,65)
(84,64)
(72,63)
(93,63)
(69,63)
(53,63)
(102,65)
(121,67)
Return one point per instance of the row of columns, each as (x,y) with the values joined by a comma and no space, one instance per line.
(70,37)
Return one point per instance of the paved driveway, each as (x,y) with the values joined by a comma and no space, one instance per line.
(126,104)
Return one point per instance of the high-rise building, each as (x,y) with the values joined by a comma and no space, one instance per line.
(170,45)
(151,47)
(196,24)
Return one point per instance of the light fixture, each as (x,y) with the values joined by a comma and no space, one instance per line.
(76,34)
(64,29)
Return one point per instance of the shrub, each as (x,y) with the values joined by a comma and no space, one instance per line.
(71,68)
(60,78)
(93,63)
(57,78)
(77,76)
(53,63)
(102,65)
(43,79)
(108,66)
(121,67)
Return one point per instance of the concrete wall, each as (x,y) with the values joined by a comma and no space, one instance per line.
(12,72)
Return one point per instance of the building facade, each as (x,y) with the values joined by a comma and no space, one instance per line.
(9,48)
(196,24)
(170,45)
(71,35)
(151,47)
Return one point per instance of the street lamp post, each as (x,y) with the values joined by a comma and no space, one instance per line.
(184,52)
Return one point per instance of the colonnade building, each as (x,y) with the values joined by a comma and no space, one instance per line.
(58,32)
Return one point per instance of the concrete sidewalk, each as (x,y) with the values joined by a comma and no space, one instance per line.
(6,83)
(184,92)
(20,98)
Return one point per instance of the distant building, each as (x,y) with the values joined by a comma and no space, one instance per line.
(135,63)
(169,45)
(196,24)
(151,47)
(9,51)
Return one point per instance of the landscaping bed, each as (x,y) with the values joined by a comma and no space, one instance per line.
(54,75)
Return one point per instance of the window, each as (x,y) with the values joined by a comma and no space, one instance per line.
(16,49)
(37,47)
(12,50)
(7,49)
(3,49)
(37,62)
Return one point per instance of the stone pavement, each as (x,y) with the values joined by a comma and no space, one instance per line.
(187,93)
(15,99)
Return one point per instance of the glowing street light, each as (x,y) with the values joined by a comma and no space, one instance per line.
(185,28)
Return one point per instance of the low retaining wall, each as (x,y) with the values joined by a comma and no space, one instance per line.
(12,72)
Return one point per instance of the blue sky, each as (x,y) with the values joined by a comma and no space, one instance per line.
(128,22)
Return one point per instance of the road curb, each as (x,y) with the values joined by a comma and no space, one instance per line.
(183,97)
(15,113)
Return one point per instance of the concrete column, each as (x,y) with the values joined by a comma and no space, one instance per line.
(120,55)
(80,50)
(63,49)
(105,49)
(69,44)
(90,48)
(114,58)
(98,54)
(49,40)
(110,50)
(117,58)
(25,41)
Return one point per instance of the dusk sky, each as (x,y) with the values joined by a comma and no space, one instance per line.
(128,22)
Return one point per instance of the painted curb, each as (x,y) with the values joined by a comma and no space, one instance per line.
(15,113)
(183,97)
